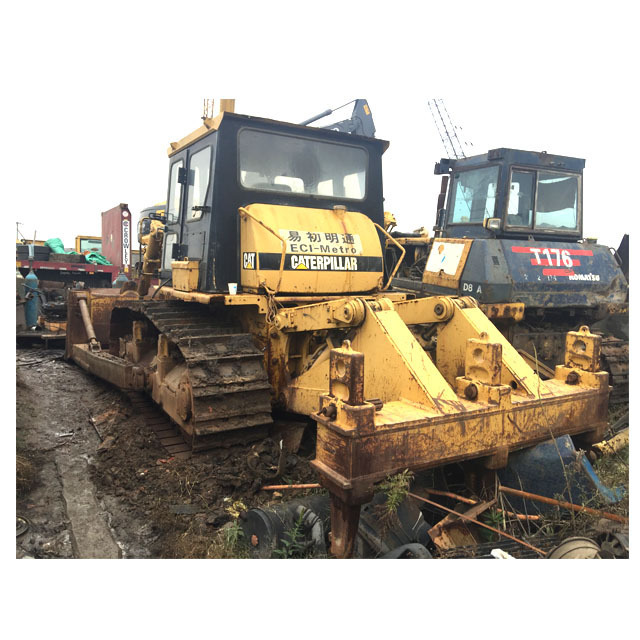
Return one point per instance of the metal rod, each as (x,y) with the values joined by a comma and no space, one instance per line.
(481,524)
(448,494)
(455,496)
(565,505)
(277,487)
(327,112)
(91,334)
(92,422)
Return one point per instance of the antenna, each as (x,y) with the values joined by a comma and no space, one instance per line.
(447,130)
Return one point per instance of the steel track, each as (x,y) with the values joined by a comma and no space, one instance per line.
(229,385)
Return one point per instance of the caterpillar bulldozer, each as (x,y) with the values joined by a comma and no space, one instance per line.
(274,302)
(509,232)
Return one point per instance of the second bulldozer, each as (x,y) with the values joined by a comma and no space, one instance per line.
(509,232)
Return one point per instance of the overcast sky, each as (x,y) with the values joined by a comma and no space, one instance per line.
(98,149)
(96,104)
(94,92)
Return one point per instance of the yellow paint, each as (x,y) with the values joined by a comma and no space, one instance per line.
(209,125)
(471,323)
(273,229)
(227,104)
(582,349)
(423,310)
(504,311)
(398,367)
(619,441)
(185,275)
(154,226)
(357,447)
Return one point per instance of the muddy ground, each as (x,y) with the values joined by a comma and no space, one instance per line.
(107,489)
(93,480)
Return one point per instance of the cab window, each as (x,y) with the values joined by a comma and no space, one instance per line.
(278,162)
(544,200)
(474,195)
(90,244)
(198,182)
(557,201)
(173,203)
(521,198)
(169,240)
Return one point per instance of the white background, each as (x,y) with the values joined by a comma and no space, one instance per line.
(92,95)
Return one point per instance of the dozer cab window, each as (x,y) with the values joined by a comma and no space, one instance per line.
(169,240)
(89,244)
(173,203)
(521,194)
(544,200)
(198,183)
(474,195)
(557,201)
(276,162)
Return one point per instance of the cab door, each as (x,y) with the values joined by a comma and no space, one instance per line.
(175,197)
(195,218)
(188,206)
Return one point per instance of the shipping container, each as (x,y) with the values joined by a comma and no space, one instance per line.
(116,237)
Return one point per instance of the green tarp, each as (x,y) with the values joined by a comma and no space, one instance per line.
(56,246)
(96,258)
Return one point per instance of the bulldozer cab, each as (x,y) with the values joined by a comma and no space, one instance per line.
(509,193)
(510,230)
(251,200)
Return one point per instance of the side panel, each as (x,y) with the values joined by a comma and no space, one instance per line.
(479,269)
(539,274)
(446,262)
(486,275)
(564,274)
(325,251)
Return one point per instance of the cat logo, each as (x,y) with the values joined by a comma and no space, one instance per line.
(302,265)
(249,260)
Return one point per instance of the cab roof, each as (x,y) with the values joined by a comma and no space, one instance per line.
(512,156)
(210,125)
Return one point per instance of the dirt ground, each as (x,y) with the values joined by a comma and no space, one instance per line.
(94,482)
(107,489)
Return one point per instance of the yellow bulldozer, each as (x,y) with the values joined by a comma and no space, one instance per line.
(274,300)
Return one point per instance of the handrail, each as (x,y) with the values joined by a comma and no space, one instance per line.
(242,210)
(393,273)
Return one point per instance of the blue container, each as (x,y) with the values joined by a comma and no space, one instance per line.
(555,470)
(120,280)
(32,305)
